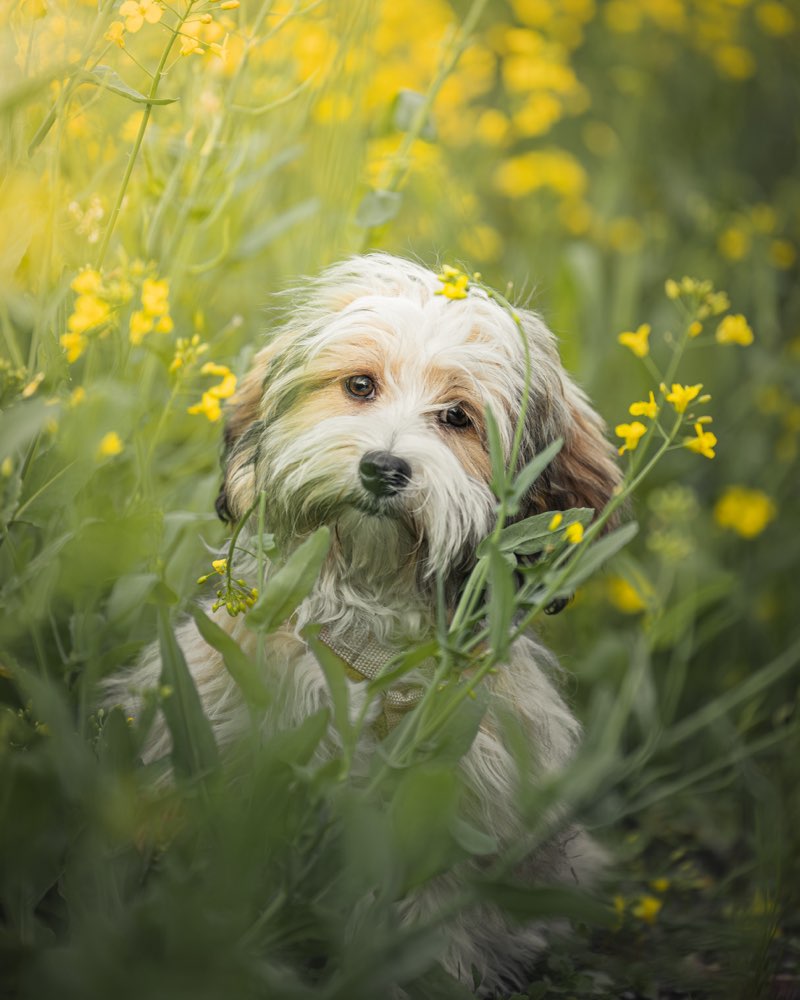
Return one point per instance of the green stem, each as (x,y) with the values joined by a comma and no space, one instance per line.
(134,153)
(398,168)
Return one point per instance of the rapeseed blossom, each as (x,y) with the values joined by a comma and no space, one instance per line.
(637,340)
(734,330)
(682,395)
(110,445)
(455,283)
(630,433)
(703,443)
(574,533)
(136,12)
(745,511)
(209,405)
(644,408)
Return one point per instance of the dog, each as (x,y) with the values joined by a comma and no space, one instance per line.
(366,412)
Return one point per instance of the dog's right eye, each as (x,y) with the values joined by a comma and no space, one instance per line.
(360,386)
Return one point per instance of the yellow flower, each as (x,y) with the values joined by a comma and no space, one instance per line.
(660,884)
(227,386)
(734,330)
(703,444)
(775,18)
(116,33)
(647,909)
(625,597)
(574,533)
(208,406)
(155,296)
(782,254)
(136,12)
(718,302)
(454,283)
(682,395)
(745,511)
(87,282)
(637,341)
(74,344)
(631,433)
(77,396)
(110,445)
(187,352)
(695,329)
(140,324)
(555,521)
(88,311)
(643,408)
(672,288)
(220,565)
(734,243)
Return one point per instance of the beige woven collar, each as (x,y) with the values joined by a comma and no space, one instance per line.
(367,658)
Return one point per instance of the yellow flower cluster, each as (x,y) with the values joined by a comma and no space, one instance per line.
(94,310)
(236,595)
(187,351)
(745,511)
(455,283)
(209,405)
(154,313)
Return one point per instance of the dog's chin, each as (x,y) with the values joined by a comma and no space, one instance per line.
(388,507)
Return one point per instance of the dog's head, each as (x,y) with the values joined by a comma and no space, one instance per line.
(367,412)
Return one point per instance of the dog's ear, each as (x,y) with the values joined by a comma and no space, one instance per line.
(585,472)
(244,427)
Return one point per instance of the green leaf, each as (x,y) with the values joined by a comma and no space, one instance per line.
(600,552)
(291,584)
(524,537)
(109,79)
(21,423)
(129,594)
(499,482)
(523,904)
(529,473)
(407,107)
(238,664)
(501,603)
(422,813)
(473,840)
(194,752)
(378,207)
(335,670)
(408,663)
(260,237)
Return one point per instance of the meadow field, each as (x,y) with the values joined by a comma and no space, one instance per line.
(627,168)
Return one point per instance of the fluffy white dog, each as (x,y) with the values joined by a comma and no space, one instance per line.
(365,412)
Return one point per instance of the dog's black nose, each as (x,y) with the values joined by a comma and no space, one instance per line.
(383,474)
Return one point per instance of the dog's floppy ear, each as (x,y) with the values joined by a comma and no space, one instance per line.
(585,472)
(244,427)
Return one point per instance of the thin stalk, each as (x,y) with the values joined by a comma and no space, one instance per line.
(134,153)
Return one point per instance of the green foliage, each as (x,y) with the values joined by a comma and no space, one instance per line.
(151,202)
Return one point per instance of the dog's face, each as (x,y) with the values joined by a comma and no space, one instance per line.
(367,412)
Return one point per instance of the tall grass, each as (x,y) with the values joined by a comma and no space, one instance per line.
(154,195)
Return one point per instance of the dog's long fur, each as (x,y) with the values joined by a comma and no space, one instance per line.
(294,431)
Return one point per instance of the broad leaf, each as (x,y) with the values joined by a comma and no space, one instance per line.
(291,584)
(194,752)
(238,664)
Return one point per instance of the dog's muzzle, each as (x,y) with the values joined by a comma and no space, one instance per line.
(383,474)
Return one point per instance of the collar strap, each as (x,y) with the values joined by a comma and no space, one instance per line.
(367,658)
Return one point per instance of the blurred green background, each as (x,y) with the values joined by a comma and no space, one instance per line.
(580,153)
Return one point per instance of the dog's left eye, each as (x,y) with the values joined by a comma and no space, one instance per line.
(360,386)
(455,416)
